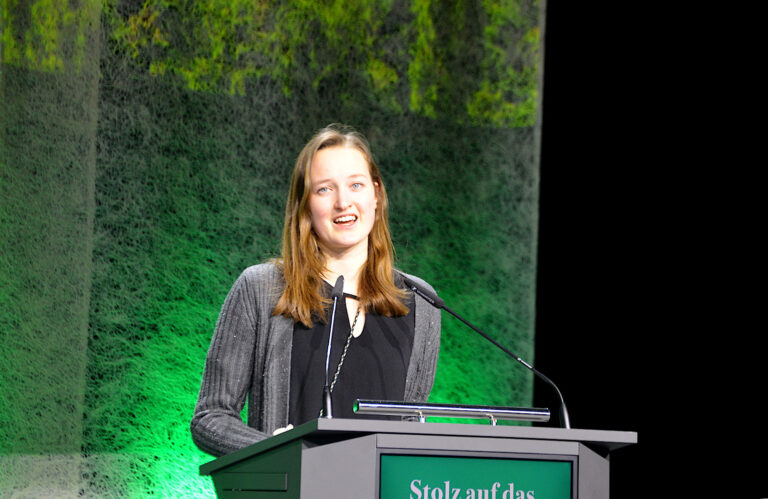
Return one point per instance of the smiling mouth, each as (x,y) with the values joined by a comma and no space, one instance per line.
(345,219)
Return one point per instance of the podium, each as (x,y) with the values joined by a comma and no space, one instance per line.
(379,459)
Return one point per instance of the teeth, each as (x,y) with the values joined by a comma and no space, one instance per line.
(347,218)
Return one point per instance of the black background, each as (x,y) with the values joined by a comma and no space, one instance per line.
(650,288)
(594,270)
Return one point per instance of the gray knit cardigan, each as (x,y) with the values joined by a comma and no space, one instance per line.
(250,355)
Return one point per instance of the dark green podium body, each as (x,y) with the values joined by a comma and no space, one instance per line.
(369,459)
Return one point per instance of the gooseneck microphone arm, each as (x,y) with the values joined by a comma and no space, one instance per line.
(437,302)
(336,294)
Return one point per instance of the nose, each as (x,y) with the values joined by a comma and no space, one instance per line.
(343,199)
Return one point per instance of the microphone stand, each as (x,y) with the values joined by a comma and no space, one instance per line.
(437,302)
(338,291)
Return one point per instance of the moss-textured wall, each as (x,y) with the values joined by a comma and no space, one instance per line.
(132,196)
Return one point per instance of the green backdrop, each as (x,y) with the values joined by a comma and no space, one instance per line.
(145,151)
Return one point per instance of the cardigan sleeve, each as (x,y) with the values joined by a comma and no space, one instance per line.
(428,366)
(426,348)
(217,427)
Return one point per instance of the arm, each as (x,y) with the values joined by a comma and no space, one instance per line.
(428,361)
(426,348)
(217,427)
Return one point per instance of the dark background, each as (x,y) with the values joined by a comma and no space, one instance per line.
(649,298)
(594,269)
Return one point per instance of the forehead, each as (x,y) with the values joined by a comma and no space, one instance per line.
(338,161)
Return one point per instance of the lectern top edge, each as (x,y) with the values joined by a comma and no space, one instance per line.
(293,434)
(606,439)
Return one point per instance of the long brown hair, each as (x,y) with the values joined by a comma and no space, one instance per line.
(303,263)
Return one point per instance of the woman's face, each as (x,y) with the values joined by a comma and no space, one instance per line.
(342,200)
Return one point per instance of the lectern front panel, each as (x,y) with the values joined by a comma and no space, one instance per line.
(443,477)
(334,459)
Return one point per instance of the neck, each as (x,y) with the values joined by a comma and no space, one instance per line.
(349,265)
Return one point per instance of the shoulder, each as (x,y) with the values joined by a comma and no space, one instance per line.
(263,273)
(264,281)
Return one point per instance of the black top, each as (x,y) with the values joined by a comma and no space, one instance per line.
(374,368)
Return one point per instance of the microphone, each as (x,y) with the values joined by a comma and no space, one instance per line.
(437,302)
(338,291)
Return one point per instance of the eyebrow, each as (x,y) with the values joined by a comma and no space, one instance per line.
(358,175)
(351,177)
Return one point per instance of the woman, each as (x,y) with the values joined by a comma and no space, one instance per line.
(271,338)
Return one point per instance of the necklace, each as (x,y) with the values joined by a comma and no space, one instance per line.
(346,347)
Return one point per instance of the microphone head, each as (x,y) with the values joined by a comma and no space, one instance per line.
(338,288)
(427,294)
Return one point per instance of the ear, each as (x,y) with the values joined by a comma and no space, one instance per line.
(376,194)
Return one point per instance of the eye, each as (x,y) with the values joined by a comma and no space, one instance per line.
(322,190)
(357,186)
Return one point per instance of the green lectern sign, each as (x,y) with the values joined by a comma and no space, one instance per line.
(437,477)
